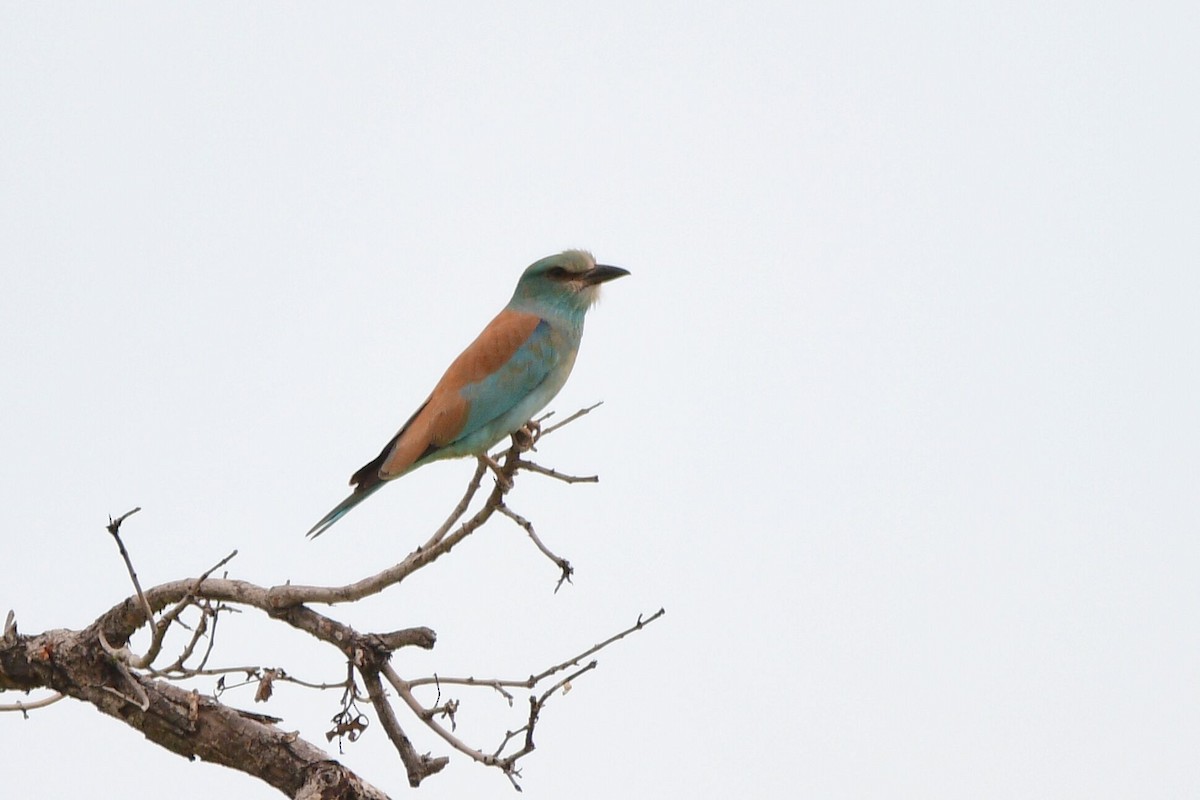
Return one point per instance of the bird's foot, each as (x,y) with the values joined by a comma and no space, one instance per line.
(526,437)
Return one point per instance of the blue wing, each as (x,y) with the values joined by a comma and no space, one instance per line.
(501,391)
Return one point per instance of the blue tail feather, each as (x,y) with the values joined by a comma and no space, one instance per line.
(341,509)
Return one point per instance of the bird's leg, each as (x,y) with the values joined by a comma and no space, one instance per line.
(497,470)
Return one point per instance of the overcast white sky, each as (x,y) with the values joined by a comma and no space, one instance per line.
(900,417)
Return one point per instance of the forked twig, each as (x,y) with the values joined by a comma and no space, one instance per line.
(164,622)
(507,763)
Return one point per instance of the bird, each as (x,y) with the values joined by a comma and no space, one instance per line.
(512,370)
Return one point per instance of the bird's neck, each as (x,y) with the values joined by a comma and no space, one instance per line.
(566,312)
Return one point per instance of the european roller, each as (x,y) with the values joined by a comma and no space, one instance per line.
(512,370)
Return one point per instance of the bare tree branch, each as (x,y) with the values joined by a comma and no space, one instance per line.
(114,528)
(30,706)
(96,665)
(461,508)
(580,413)
(192,725)
(563,565)
(561,476)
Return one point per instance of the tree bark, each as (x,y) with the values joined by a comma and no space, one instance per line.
(185,722)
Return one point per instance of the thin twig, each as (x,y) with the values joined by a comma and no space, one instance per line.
(553,473)
(461,508)
(254,675)
(534,679)
(580,413)
(438,545)
(24,707)
(637,626)
(405,692)
(201,628)
(563,565)
(212,635)
(164,623)
(204,575)
(114,528)
(291,594)
(536,704)
(507,764)
(491,683)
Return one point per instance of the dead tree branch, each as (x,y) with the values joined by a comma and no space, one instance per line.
(97,666)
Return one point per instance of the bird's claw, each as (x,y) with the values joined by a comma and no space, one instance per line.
(526,437)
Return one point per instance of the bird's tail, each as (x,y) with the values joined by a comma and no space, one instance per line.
(361,492)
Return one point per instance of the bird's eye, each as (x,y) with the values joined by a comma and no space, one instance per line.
(557,273)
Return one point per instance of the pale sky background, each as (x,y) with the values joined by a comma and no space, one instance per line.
(900,417)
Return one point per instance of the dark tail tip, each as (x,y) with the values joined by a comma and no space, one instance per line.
(361,492)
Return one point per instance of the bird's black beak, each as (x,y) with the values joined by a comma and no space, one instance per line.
(601,273)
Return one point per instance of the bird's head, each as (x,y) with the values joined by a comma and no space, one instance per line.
(569,281)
